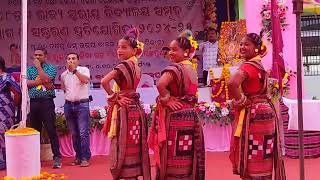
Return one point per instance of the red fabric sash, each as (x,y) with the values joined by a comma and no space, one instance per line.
(157,134)
(107,124)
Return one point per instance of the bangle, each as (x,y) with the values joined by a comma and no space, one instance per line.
(74,71)
(111,95)
(241,101)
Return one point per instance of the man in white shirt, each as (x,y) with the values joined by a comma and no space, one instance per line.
(208,52)
(75,82)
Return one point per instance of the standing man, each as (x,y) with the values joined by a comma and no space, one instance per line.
(75,81)
(208,52)
(41,92)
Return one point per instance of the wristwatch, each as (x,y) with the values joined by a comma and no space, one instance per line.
(74,71)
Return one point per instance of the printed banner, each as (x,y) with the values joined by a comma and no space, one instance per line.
(92,29)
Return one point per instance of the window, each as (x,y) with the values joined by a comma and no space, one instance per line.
(310,38)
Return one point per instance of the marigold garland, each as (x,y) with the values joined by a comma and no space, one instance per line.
(222,84)
(21,131)
(225,75)
(42,176)
(210,15)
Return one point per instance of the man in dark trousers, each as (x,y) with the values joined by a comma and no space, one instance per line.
(41,92)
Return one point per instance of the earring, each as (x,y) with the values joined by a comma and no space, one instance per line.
(256,50)
(185,54)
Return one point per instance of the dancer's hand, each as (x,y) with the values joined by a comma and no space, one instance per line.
(124,101)
(174,104)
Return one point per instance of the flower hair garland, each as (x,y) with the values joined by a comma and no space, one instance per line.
(194,44)
(140,47)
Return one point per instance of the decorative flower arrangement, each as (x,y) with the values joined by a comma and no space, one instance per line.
(98,117)
(208,112)
(210,14)
(274,85)
(266,17)
(215,113)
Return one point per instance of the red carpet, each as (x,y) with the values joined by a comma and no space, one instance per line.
(218,167)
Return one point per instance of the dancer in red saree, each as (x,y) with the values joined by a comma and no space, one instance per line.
(176,135)
(126,125)
(255,146)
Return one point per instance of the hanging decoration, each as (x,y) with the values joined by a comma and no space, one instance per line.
(266,17)
(210,15)
(220,91)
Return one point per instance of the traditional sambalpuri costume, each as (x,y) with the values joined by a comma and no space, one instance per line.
(127,126)
(176,137)
(255,147)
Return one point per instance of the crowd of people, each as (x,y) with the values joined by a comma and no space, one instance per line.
(175,135)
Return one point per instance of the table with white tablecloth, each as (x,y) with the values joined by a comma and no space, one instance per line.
(311,123)
(311,114)
(216,138)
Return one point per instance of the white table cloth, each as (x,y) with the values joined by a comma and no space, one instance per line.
(148,96)
(311,114)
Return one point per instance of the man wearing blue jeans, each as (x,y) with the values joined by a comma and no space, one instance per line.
(75,82)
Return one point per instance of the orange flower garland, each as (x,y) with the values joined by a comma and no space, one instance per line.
(222,84)
(21,131)
(42,176)
(225,75)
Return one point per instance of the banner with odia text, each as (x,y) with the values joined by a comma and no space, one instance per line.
(92,28)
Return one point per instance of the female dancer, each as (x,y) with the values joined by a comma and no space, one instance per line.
(255,146)
(126,125)
(176,136)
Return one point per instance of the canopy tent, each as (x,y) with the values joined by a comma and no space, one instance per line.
(24,65)
(311,6)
